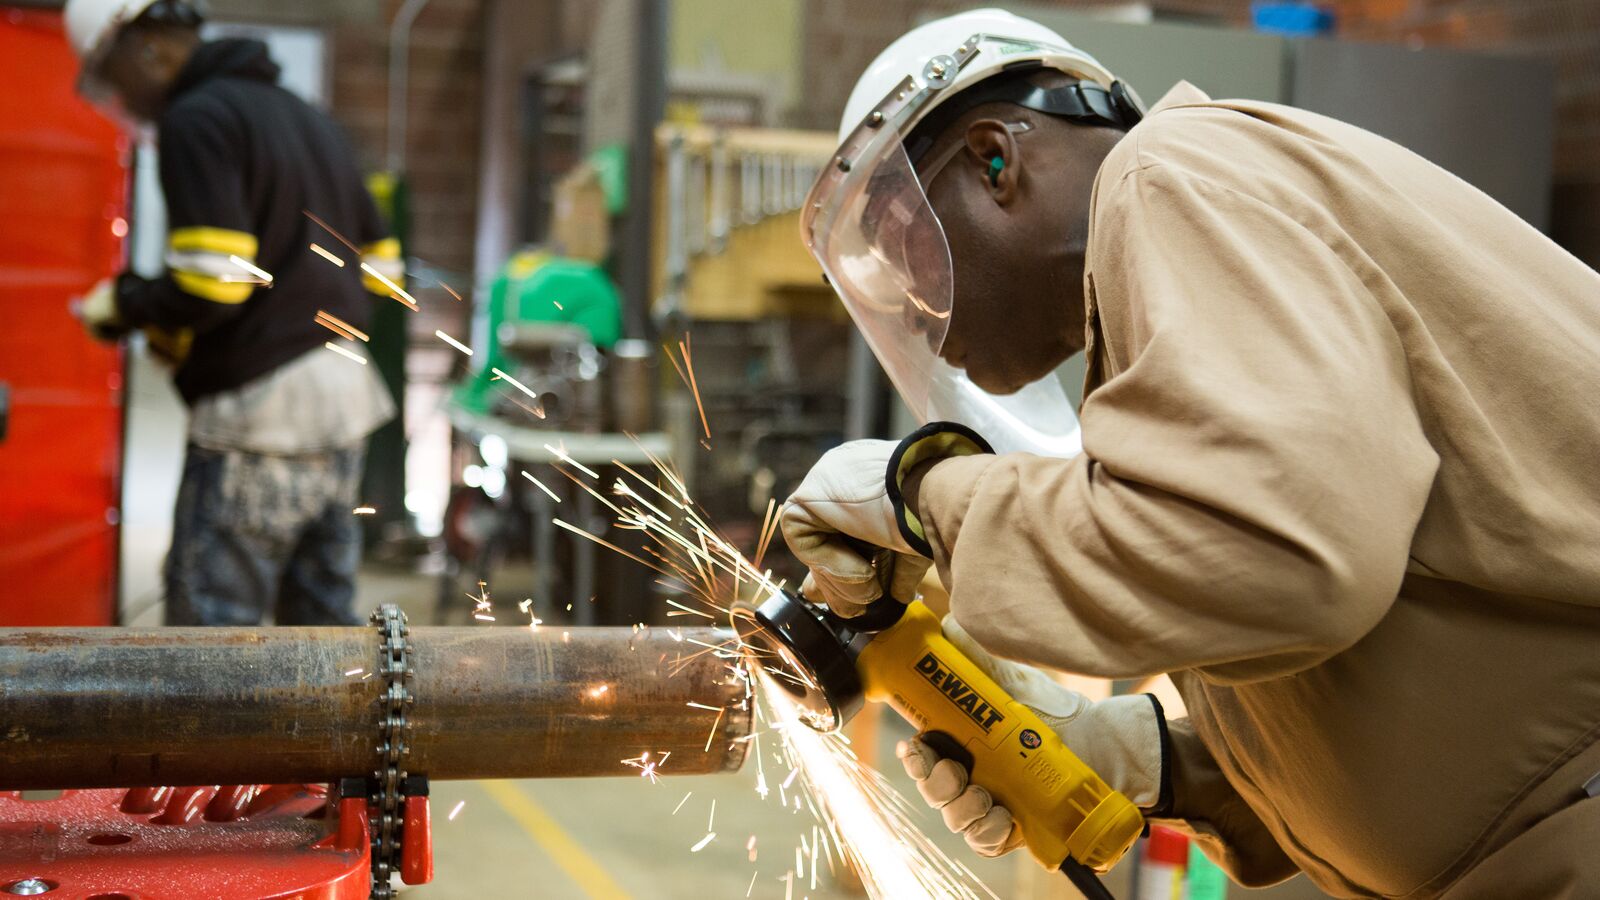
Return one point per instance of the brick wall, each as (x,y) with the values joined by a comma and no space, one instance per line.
(1566,32)
(443,116)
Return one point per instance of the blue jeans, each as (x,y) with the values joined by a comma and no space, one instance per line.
(253,532)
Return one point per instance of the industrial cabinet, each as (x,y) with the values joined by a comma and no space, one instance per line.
(1489,119)
(62,221)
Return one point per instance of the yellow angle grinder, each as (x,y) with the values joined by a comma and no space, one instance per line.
(896,653)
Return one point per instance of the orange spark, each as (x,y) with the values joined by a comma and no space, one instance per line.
(339,326)
(322,252)
(252,268)
(345,353)
(397,292)
(541,486)
(686,372)
(453,342)
(329,229)
(769,526)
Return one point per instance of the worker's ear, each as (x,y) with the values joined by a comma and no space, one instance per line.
(998,157)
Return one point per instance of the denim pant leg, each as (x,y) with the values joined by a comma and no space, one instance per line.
(319,579)
(216,573)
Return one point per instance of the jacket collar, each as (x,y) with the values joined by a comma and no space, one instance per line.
(1182,94)
(226,58)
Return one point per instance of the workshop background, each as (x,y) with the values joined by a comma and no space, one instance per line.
(672,142)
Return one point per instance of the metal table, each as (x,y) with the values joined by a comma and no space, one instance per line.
(529,445)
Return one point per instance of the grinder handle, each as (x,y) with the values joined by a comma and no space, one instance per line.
(1062,806)
(948,748)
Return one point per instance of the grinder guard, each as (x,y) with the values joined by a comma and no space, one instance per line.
(815,651)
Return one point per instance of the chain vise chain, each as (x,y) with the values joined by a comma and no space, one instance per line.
(394,732)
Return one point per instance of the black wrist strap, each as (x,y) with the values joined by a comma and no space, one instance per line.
(1163,806)
(935,440)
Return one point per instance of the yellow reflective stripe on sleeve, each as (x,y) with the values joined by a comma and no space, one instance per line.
(216,264)
(214,289)
(388,248)
(214,276)
(206,239)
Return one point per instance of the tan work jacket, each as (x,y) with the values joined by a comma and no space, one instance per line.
(1341,477)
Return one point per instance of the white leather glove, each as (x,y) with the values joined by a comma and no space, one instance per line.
(854,492)
(1120,738)
(846,494)
(97,310)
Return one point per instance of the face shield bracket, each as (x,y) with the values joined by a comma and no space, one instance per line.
(902,104)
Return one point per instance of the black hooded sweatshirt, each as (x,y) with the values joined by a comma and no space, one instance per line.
(241,160)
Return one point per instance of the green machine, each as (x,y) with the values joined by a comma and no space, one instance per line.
(536,286)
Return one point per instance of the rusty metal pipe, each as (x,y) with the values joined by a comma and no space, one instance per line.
(110,707)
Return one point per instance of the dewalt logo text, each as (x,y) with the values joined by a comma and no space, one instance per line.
(958,693)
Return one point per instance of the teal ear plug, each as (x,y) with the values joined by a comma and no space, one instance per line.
(995,166)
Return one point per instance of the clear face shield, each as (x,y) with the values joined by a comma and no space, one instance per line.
(868,222)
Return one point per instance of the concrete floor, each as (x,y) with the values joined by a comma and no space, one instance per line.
(571,838)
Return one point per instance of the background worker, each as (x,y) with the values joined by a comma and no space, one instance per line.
(278,424)
(1338,473)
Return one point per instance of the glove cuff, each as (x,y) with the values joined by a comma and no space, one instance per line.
(1163,806)
(125,287)
(935,440)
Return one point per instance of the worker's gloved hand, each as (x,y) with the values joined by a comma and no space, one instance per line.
(845,496)
(1120,738)
(97,310)
(851,500)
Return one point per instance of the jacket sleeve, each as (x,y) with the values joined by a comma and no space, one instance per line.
(1252,471)
(211,240)
(1206,807)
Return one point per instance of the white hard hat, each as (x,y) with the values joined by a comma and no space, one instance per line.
(912,51)
(92,25)
(868,222)
(92,30)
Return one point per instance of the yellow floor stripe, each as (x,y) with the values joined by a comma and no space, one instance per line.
(562,849)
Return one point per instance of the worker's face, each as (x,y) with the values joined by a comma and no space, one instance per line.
(1017,250)
(139,71)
